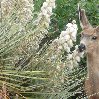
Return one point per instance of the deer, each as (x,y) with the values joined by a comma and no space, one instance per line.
(89,43)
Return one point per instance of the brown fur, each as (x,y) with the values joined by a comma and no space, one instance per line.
(92,51)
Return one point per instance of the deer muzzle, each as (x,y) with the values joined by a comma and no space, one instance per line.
(81,47)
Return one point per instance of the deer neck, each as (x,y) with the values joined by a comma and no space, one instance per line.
(93,63)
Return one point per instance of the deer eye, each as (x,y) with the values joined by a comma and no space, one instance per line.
(94,37)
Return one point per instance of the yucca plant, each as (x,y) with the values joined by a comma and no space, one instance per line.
(19,42)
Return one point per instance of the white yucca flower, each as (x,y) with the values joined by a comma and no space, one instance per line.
(70,43)
(77,58)
(62,40)
(72,29)
(52,3)
(65,45)
(49,9)
(63,33)
(65,42)
(68,36)
(46,12)
(69,56)
(42,21)
(67,49)
(45,4)
(75,52)
(56,40)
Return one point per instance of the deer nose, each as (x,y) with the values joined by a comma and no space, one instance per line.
(81,47)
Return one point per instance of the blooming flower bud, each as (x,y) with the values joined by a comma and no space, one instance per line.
(75,53)
(62,40)
(70,43)
(49,9)
(69,25)
(47,1)
(75,26)
(67,37)
(67,49)
(65,42)
(65,45)
(44,12)
(74,22)
(45,4)
(63,33)
(69,56)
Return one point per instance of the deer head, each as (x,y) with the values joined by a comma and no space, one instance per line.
(89,35)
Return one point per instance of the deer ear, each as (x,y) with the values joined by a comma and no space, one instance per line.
(97,29)
(83,18)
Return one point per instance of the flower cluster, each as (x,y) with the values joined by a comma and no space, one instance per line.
(65,42)
(74,57)
(42,22)
(46,12)
(67,37)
